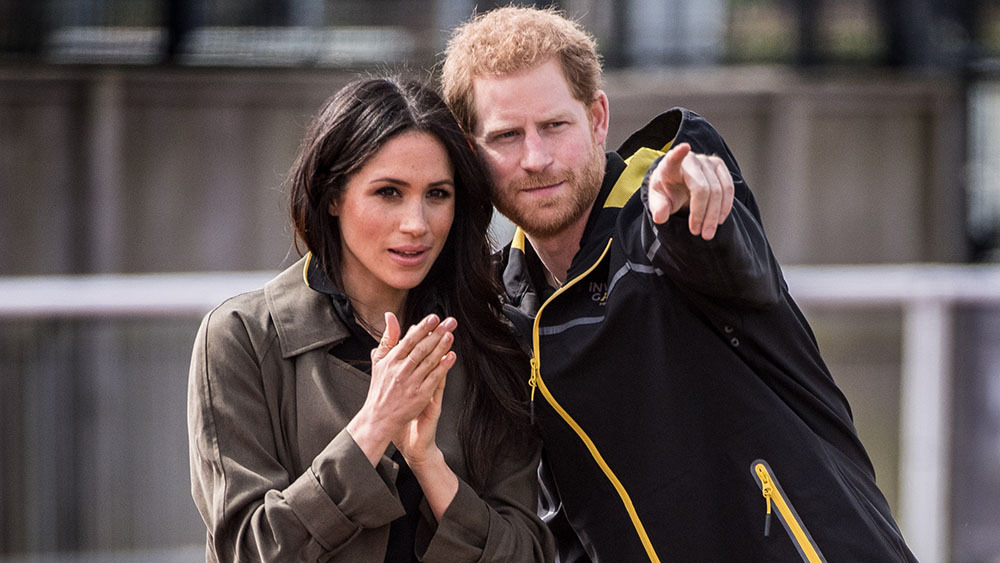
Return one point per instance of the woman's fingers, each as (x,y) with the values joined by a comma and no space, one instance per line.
(433,384)
(429,347)
(410,363)
(415,334)
(432,358)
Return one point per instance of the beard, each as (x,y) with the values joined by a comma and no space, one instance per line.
(550,217)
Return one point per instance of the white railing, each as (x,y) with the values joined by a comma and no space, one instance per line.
(114,295)
(926,293)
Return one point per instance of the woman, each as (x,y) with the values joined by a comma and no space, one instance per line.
(318,431)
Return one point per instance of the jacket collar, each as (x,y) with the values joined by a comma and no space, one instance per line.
(605,210)
(304,318)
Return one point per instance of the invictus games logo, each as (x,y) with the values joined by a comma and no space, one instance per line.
(599,292)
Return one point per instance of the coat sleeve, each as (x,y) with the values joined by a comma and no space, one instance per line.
(736,266)
(497,525)
(255,510)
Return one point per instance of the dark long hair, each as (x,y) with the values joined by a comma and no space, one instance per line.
(352,126)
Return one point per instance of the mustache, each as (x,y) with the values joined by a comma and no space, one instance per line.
(539,180)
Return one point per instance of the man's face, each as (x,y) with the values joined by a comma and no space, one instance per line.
(543,147)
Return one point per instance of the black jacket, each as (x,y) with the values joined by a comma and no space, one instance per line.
(680,391)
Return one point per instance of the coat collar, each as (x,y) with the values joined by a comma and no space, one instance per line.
(303,317)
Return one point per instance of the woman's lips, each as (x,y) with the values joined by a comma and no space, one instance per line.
(409,255)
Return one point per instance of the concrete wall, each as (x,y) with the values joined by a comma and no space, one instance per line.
(143,170)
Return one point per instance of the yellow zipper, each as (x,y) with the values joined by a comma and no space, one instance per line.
(535,381)
(796,529)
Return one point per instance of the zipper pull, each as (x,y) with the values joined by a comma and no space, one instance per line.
(767,517)
(766,489)
(533,383)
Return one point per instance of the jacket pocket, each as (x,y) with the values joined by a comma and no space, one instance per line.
(776,502)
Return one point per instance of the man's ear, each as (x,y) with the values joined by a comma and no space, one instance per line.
(600,117)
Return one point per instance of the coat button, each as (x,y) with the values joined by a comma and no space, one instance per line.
(728,329)
(735,341)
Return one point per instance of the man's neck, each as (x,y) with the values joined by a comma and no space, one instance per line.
(556,252)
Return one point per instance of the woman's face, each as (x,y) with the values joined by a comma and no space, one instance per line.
(395,214)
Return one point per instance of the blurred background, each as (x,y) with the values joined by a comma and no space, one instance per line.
(143,144)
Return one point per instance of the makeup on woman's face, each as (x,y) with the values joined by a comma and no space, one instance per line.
(395,215)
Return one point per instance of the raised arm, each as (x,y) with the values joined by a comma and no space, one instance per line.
(701,226)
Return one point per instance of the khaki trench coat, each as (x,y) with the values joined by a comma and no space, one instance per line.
(277,478)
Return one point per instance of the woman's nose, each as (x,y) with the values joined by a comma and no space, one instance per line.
(414,220)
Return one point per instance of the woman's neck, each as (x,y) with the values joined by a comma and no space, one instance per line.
(371,306)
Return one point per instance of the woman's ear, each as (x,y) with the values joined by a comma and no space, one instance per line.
(332,208)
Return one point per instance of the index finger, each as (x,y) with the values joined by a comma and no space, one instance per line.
(673,160)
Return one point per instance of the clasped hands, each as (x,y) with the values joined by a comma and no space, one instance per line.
(407,385)
(687,180)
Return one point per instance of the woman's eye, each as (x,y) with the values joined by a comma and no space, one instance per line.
(387,191)
(439,193)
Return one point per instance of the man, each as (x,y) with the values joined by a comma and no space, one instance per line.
(685,409)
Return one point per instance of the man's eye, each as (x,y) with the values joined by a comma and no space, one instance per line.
(505,135)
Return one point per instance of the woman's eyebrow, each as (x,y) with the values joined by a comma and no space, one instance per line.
(391,180)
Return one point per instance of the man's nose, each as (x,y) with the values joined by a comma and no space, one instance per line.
(537,153)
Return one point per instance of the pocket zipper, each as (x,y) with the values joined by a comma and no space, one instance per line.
(773,495)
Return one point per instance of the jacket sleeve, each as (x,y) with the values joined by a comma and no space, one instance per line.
(498,525)
(254,508)
(735,266)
